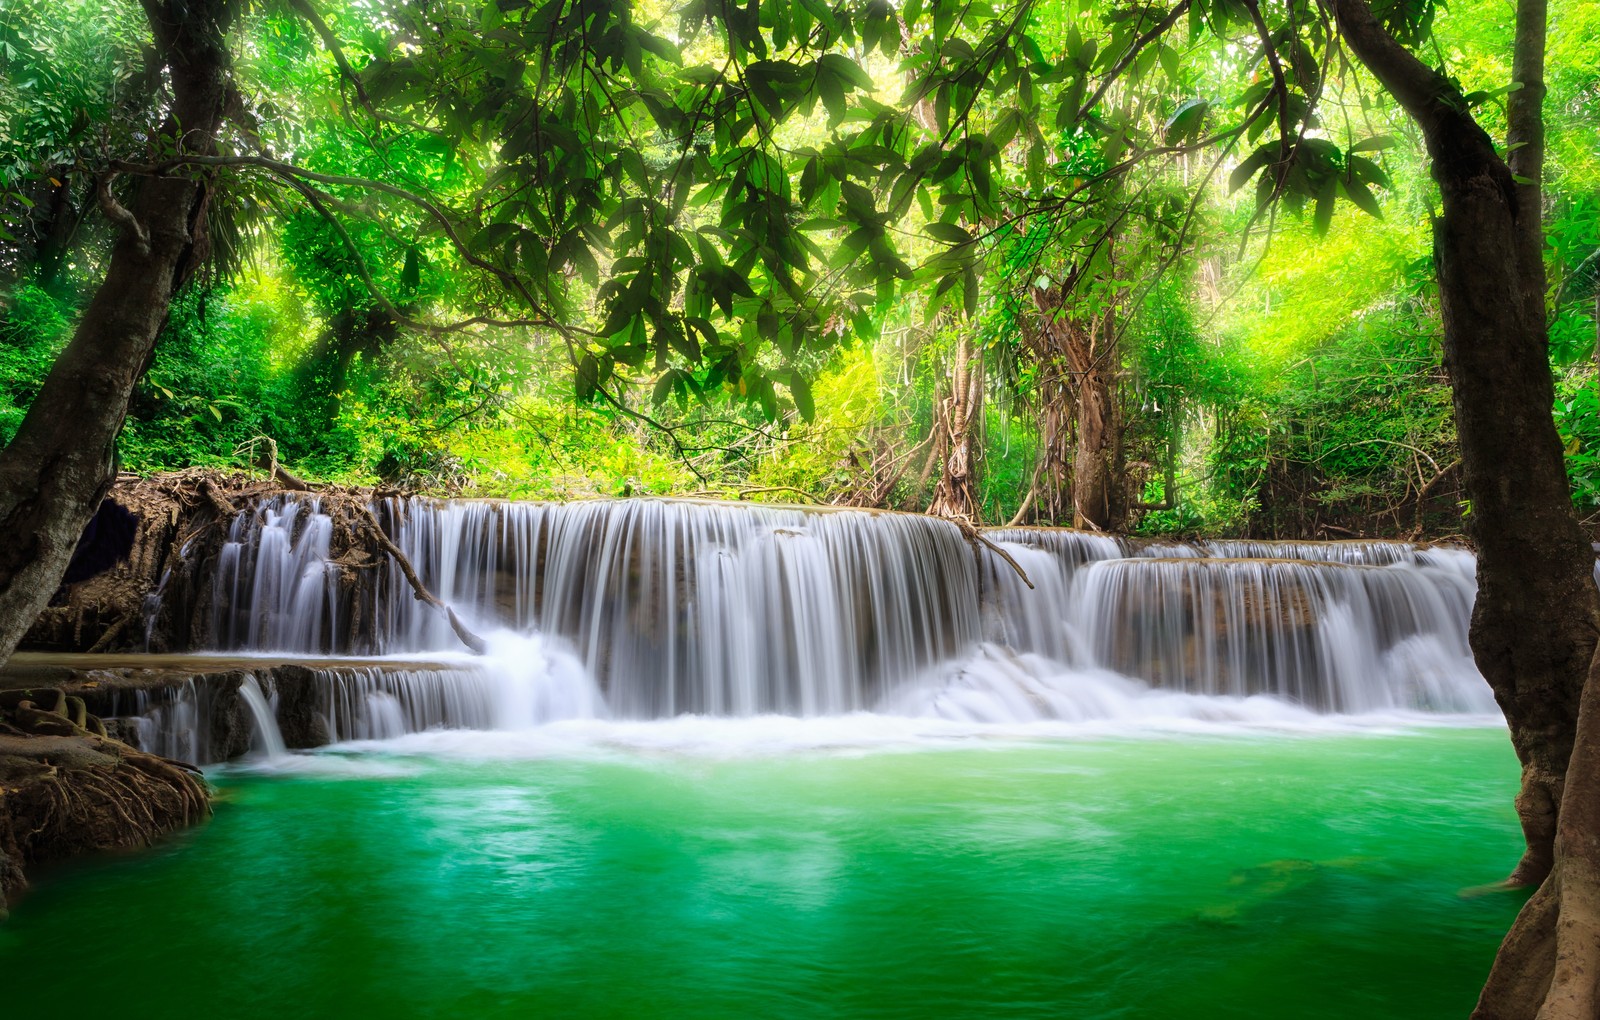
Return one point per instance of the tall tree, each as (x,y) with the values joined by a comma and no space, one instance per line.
(1537,615)
(61,462)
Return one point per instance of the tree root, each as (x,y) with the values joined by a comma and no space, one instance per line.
(223,509)
(976,538)
(66,788)
(111,634)
(468,638)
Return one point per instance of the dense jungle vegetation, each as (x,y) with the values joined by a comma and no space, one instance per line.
(1272,369)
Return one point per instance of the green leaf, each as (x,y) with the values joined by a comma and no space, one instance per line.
(800,390)
(1357,192)
(1323,217)
(1187,120)
(664,386)
(949,233)
(1366,171)
(1244,171)
(588,380)
(847,70)
(1374,143)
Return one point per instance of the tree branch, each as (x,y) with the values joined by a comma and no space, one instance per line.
(1132,54)
(117,213)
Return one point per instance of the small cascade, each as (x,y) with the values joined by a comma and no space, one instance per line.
(150,608)
(644,609)
(173,722)
(1072,549)
(372,702)
(998,685)
(681,607)
(276,587)
(522,683)
(1348,639)
(202,721)
(268,740)
(1352,553)
(216,717)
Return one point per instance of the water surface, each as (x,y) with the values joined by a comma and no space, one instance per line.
(614,874)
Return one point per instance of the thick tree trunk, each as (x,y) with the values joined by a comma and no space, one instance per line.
(1537,614)
(60,464)
(1099,498)
(957,437)
(1548,968)
(1088,352)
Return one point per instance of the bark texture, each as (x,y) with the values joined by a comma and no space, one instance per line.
(61,462)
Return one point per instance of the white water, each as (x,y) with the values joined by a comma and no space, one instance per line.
(268,741)
(607,614)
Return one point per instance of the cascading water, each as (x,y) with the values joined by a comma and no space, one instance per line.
(1345,639)
(684,607)
(275,586)
(268,741)
(645,609)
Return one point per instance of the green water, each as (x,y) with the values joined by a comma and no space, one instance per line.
(1282,877)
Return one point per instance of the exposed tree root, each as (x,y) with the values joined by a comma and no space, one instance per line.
(111,634)
(970,532)
(66,788)
(421,592)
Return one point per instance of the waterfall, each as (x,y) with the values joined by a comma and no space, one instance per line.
(207,719)
(691,607)
(263,719)
(1336,638)
(645,609)
(173,722)
(522,683)
(275,586)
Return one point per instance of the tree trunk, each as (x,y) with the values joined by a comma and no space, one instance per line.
(1088,352)
(1537,614)
(1054,397)
(60,464)
(1057,441)
(1548,968)
(1098,497)
(957,438)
